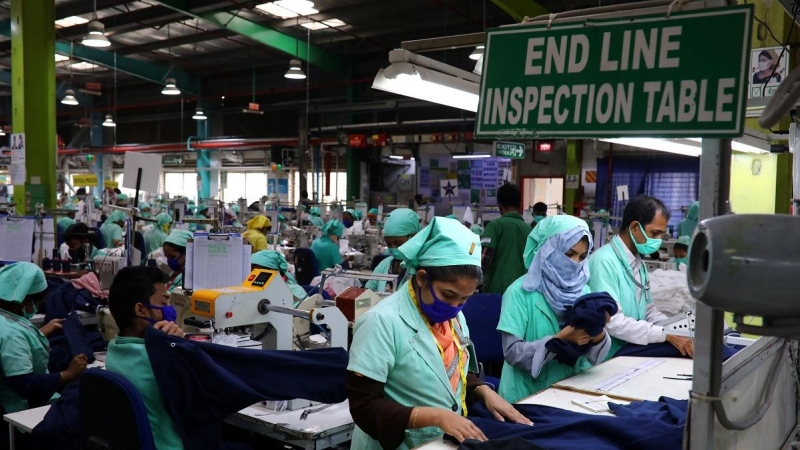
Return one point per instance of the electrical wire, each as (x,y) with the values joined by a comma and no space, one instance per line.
(795,10)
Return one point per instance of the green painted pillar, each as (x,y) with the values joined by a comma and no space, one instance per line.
(573,175)
(353,174)
(203,160)
(33,97)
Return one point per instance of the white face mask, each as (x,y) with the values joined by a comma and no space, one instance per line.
(762,66)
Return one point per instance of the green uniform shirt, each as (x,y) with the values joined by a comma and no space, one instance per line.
(507,237)
(23,350)
(385,267)
(111,232)
(392,345)
(127,356)
(65,222)
(528,315)
(327,253)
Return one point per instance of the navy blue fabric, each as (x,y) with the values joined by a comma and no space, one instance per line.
(63,298)
(482,313)
(589,314)
(312,290)
(203,383)
(61,427)
(645,426)
(72,340)
(306,266)
(665,350)
(35,388)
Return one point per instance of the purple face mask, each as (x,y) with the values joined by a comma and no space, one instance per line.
(169,313)
(439,311)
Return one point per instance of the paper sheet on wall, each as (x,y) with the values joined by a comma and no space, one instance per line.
(217,261)
(247,251)
(17,238)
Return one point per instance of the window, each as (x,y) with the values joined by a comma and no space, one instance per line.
(338,187)
(248,185)
(180,183)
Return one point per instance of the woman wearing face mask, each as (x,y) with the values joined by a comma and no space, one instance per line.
(535,306)
(272,260)
(256,234)
(400,226)
(766,64)
(411,358)
(154,239)
(76,240)
(349,218)
(326,248)
(175,252)
(681,251)
(24,350)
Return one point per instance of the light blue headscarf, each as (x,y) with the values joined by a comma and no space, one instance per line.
(560,279)
(20,280)
(401,222)
(444,242)
(116,216)
(333,228)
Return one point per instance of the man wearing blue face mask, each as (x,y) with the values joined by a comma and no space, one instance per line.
(617,268)
(400,226)
(138,299)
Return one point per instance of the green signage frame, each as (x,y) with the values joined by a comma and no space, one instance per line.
(511,150)
(686,75)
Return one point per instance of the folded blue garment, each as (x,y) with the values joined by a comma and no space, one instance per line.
(589,314)
(666,350)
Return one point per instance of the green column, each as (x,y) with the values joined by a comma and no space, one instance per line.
(33,96)
(353,174)
(573,170)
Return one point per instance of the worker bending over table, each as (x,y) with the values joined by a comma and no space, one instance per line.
(399,226)
(256,234)
(326,248)
(536,308)
(272,260)
(408,380)
(617,268)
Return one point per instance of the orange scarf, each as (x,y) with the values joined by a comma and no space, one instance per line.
(444,335)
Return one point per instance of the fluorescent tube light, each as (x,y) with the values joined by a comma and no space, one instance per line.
(410,80)
(661,145)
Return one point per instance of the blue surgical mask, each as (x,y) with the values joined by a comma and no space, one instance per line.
(438,311)
(649,247)
(174,264)
(538,219)
(347,223)
(169,313)
(396,253)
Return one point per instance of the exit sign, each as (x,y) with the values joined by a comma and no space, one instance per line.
(253,106)
(513,150)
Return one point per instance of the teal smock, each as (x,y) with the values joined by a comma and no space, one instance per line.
(609,272)
(529,316)
(687,225)
(127,356)
(154,240)
(111,231)
(316,221)
(327,253)
(65,222)
(175,281)
(393,345)
(384,267)
(23,350)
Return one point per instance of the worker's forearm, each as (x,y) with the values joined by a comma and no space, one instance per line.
(528,356)
(425,416)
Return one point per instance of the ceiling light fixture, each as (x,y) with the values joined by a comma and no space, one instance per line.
(684,147)
(295,71)
(472,156)
(423,78)
(288,9)
(70,21)
(199,115)
(331,23)
(171,87)
(61,58)
(96,36)
(2,131)
(69,98)
(109,122)
(83,65)
(477,53)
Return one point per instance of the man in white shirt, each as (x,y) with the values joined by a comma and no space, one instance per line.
(617,268)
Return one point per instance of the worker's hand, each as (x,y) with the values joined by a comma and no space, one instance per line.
(76,368)
(459,427)
(574,335)
(599,338)
(171,328)
(51,327)
(500,409)
(683,344)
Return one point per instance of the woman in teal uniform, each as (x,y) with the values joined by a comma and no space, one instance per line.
(326,248)
(411,362)
(175,252)
(69,219)
(535,305)
(269,259)
(112,229)
(400,226)
(154,238)
(315,218)
(24,349)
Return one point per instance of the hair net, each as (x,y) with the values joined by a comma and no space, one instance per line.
(444,242)
(179,238)
(163,219)
(256,239)
(20,280)
(273,260)
(258,222)
(333,228)
(560,279)
(143,206)
(353,213)
(451,216)
(401,222)
(116,216)
(314,211)
(122,197)
(70,207)
(684,240)
(373,211)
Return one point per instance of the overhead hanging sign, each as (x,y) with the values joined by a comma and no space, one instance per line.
(647,75)
(513,150)
(85,180)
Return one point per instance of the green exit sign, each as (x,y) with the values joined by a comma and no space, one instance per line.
(172,160)
(513,150)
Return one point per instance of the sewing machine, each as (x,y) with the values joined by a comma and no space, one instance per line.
(107,267)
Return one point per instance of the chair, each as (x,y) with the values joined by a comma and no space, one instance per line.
(377,259)
(311,290)
(482,312)
(305,265)
(113,415)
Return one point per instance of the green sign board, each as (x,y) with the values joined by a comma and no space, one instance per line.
(513,150)
(646,75)
(172,160)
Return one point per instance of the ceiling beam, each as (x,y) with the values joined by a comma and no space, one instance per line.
(178,41)
(519,9)
(263,35)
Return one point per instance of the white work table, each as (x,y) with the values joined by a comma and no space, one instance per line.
(84,317)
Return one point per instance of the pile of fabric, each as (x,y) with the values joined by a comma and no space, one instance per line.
(671,291)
